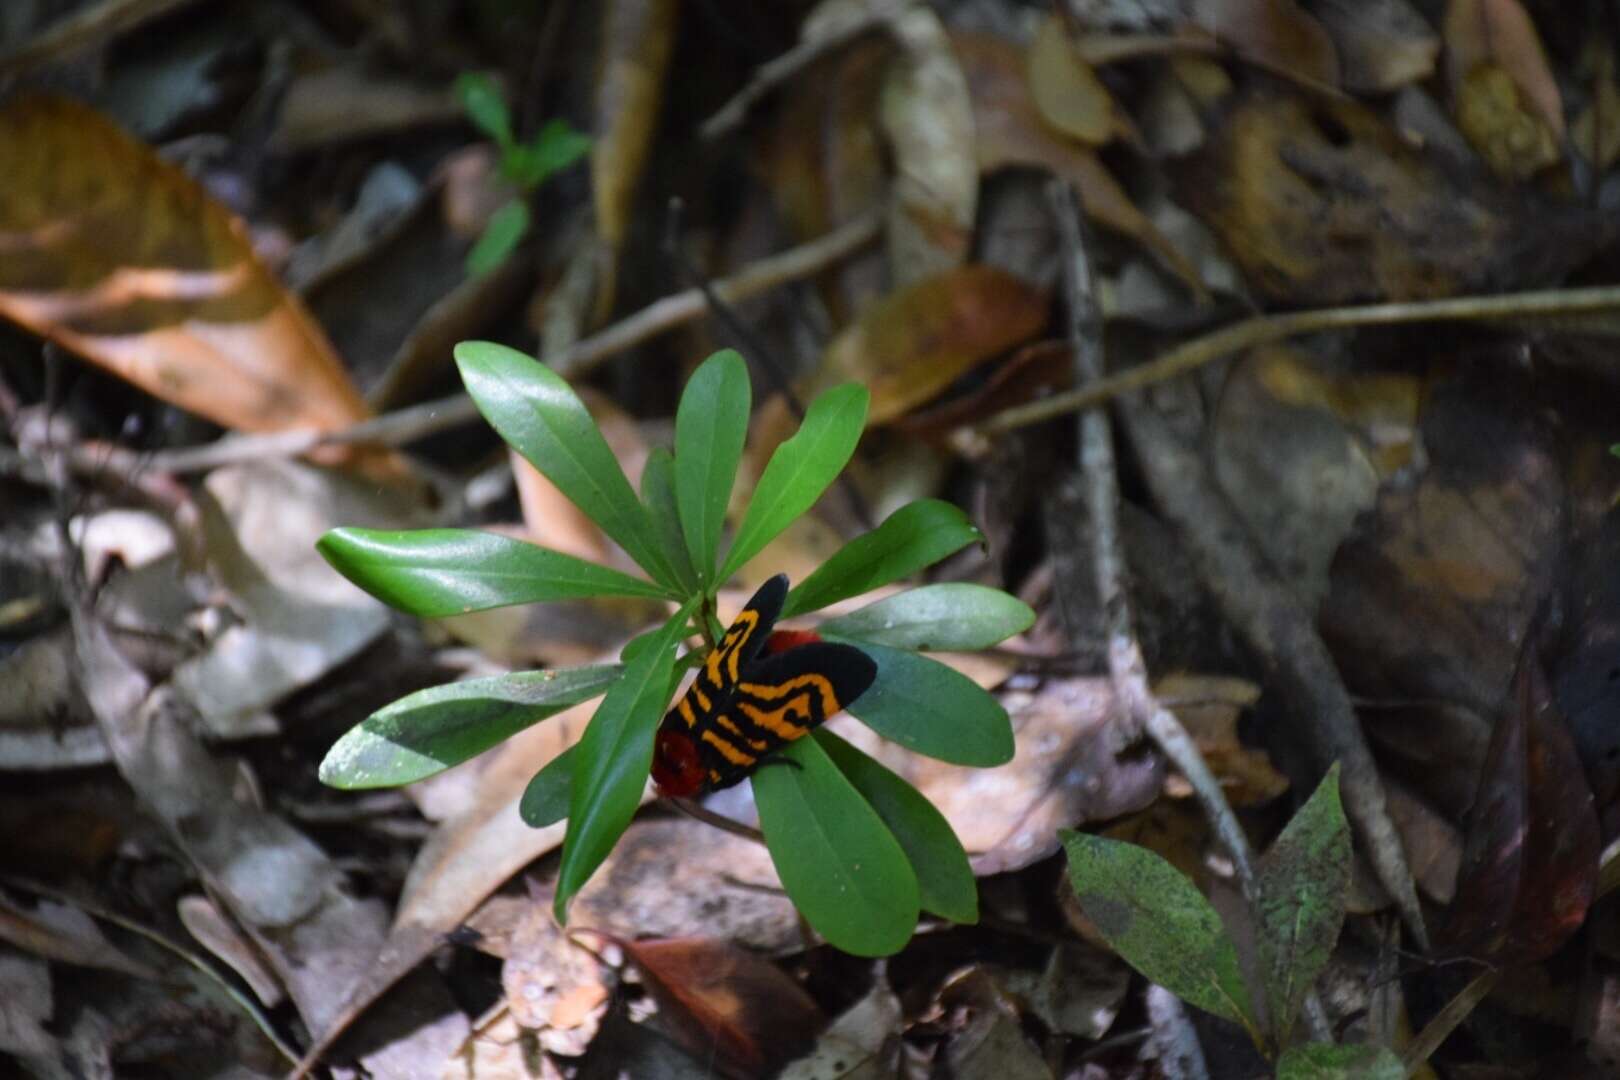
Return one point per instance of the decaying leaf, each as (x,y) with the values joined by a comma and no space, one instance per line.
(1008,130)
(916,341)
(1321,202)
(1276,34)
(1383,45)
(1068,93)
(122,258)
(1500,33)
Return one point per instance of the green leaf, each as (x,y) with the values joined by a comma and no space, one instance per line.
(932,709)
(1324,1061)
(429,731)
(613,760)
(658,496)
(556,147)
(439,572)
(538,414)
(841,866)
(481,97)
(917,535)
(962,617)
(800,470)
(501,235)
(945,882)
(545,800)
(710,427)
(1303,881)
(1158,923)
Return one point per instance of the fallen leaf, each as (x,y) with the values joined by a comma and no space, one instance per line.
(919,339)
(1276,34)
(554,986)
(853,1048)
(927,120)
(1500,33)
(122,258)
(1383,45)
(1596,130)
(1322,202)
(1067,92)
(1008,130)
(1209,707)
(726,1005)
(1492,115)
(638,37)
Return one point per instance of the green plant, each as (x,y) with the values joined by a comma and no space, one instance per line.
(859,850)
(526,165)
(1161,925)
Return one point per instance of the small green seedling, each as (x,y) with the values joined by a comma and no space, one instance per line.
(1161,925)
(526,165)
(860,851)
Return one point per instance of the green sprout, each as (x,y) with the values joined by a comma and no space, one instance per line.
(860,851)
(526,165)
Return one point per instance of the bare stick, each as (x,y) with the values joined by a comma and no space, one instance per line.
(773,73)
(1267,328)
(698,812)
(1446,1020)
(429,417)
(1262,608)
(1126,668)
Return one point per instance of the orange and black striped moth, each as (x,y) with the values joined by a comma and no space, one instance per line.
(755,693)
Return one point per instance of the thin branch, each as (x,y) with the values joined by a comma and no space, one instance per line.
(698,812)
(429,417)
(1421,1048)
(774,72)
(1260,330)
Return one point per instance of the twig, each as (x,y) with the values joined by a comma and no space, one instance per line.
(1126,668)
(243,1001)
(774,72)
(418,421)
(1282,634)
(1267,328)
(697,812)
(1446,1020)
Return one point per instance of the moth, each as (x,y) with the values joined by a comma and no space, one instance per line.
(755,693)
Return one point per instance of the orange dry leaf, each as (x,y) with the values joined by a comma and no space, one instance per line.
(916,341)
(119,256)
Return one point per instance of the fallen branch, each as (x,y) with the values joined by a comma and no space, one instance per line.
(429,417)
(1263,329)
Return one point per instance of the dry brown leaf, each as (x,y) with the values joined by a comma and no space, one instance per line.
(1495,118)
(1008,130)
(725,1005)
(119,256)
(1500,32)
(554,986)
(927,119)
(1383,44)
(1276,34)
(638,37)
(1068,93)
(1209,706)
(1596,130)
(916,341)
(1322,202)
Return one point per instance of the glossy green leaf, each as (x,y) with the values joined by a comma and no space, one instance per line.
(1303,882)
(800,470)
(842,867)
(915,536)
(932,709)
(556,147)
(710,427)
(1324,1061)
(1158,923)
(613,759)
(960,617)
(945,884)
(658,496)
(429,731)
(539,415)
(481,97)
(545,799)
(439,572)
(500,237)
